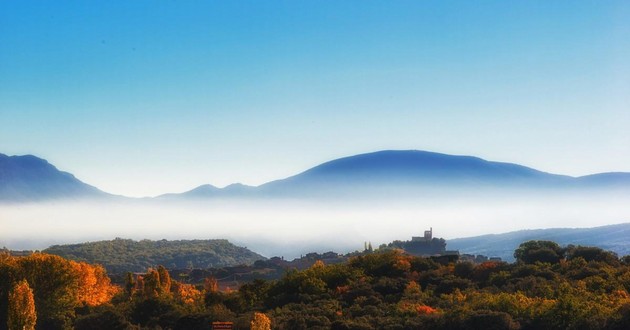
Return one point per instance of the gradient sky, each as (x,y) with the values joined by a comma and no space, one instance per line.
(147,97)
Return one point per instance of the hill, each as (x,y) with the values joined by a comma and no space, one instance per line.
(614,238)
(28,178)
(123,255)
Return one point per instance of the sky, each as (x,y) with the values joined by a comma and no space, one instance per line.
(141,98)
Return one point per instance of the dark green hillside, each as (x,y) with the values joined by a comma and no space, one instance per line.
(122,255)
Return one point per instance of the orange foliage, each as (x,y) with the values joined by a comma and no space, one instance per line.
(260,321)
(402,263)
(94,287)
(424,309)
(318,264)
(21,310)
(186,293)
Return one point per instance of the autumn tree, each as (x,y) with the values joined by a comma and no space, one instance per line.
(186,293)
(151,283)
(260,321)
(165,279)
(94,287)
(21,313)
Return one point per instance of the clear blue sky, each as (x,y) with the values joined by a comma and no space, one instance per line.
(146,97)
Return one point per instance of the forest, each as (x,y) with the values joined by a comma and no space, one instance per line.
(123,255)
(548,287)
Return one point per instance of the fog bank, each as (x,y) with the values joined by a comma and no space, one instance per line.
(290,228)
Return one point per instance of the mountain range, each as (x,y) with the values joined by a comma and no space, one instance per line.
(28,178)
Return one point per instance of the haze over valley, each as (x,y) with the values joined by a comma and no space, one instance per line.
(377,197)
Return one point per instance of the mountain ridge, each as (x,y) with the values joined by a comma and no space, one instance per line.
(32,178)
(387,170)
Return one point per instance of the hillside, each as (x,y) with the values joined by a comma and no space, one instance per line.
(28,178)
(614,238)
(122,255)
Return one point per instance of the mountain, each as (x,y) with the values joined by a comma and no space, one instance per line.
(208,190)
(398,172)
(125,255)
(28,178)
(615,238)
(388,173)
(606,180)
(414,169)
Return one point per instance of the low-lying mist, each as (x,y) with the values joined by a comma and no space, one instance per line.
(290,228)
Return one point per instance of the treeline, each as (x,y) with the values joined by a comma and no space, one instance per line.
(549,287)
(47,290)
(123,255)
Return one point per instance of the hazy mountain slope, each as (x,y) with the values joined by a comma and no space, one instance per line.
(387,173)
(28,178)
(613,237)
(413,170)
(207,190)
(606,180)
(122,255)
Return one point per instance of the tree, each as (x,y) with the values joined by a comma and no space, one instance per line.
(260,321)
(539,251)
(590,253)
(94,287)
(54,283)
(165,279)
(21,314)
(151,283)
(211,284)
(130,284)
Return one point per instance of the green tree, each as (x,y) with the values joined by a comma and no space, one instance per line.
(55,287)
(539,251)
(130,284)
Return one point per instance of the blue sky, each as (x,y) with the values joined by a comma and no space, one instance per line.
(143,97)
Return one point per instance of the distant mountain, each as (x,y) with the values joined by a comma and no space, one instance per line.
(606,180)
(28,178)
(208,190)
(123,255)
(389,173)
(615,238)
(394,173)
(416,170)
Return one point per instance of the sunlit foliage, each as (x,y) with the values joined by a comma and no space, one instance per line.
(21,313)
(260,322)
(549,287)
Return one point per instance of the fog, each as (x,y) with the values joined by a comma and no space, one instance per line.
(290,228)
